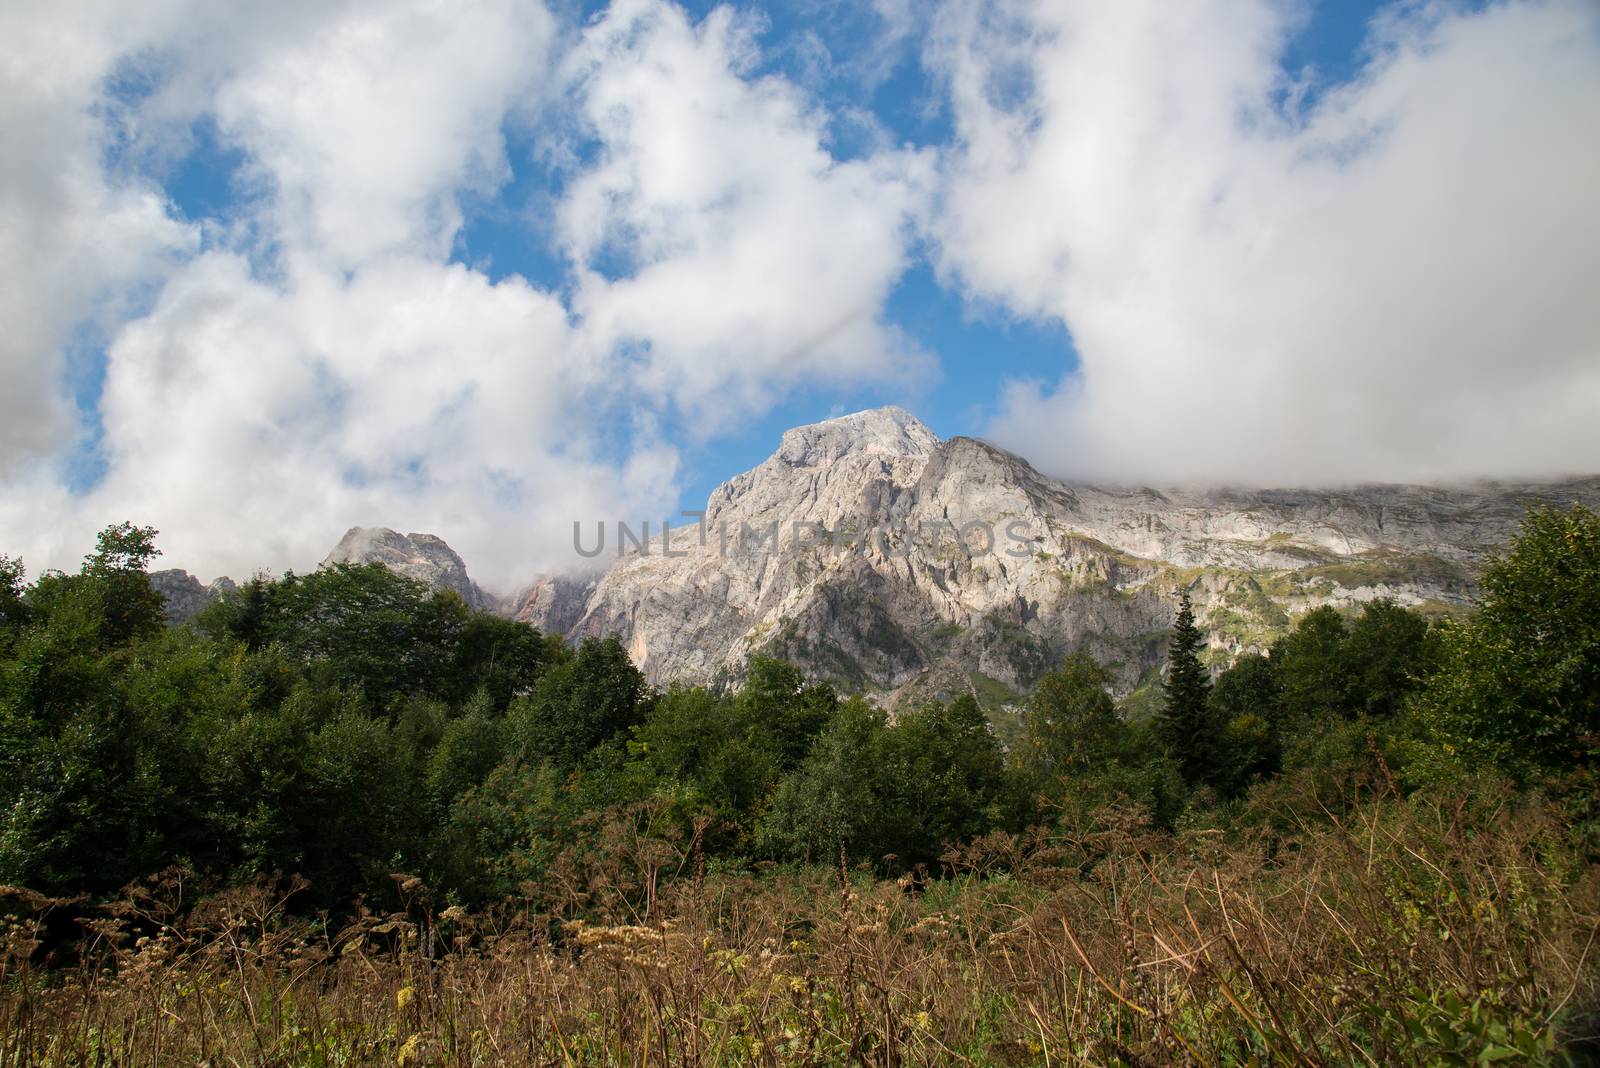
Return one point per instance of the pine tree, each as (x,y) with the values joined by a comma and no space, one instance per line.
(1185,726)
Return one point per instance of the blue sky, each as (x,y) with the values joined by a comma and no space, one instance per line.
(272,272)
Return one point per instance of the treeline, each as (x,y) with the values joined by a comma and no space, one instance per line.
(350,724)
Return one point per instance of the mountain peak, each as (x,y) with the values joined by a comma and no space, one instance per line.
(424,557)
(889,431)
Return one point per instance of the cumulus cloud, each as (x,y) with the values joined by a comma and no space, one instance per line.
(335,368)
(743,257)
(318,361)
(1385,279)
(253,420)
(77,243)
(367,129)
(1394,281)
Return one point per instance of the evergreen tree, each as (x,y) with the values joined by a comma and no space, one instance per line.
(1185,726)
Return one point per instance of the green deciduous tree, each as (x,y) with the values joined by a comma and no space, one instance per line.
(1315,676)
(13,608)
(1390,650)
(364,625)
(830,802)
(591,698)
(119,571)
(718,748)
(1519,684)
(776,701)
(1070,725)
(941,780)
(933,777)
(1245,708)
(468,749)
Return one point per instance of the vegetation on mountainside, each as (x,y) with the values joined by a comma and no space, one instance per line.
(343,818)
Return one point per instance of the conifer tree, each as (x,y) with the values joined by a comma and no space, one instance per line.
(1185,725)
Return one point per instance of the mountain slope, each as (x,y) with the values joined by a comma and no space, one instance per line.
(424,557)
(893,600)
(183,596)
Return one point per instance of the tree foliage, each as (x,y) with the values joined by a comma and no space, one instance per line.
(1070,726)
(1518,687)
(351,723)
(1186,728)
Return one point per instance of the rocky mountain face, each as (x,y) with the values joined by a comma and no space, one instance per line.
(186,595)
(424,557)
(871,552)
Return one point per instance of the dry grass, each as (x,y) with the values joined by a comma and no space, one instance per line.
(1416,934)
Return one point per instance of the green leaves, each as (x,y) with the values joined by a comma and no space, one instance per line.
(580,703)
(122,549)
(831,801)
(117,573)
(1519,684)
(1070,727)
(1447,1028)
(933,777)
(350,722)
(13,609)
(364,625)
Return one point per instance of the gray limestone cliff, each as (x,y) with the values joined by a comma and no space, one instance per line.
(423,557)
(872,553)
(184,595)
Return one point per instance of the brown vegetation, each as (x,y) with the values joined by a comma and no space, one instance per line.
(1406,933)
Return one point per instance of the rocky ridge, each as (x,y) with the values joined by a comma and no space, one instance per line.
(423,557)
(954,565)
(874,554)
(185,595)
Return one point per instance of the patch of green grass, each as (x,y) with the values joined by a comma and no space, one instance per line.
(1143,704)
(1285,544)
(992,693)
(1393,569)
(1103,549)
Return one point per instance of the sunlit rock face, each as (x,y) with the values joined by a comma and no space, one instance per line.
(873,553)
(423,557)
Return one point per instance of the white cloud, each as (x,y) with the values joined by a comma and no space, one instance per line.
(249,421)
(751,258)
(321,363)
(252,414)
(1396,283)
(367,128)
(76,242)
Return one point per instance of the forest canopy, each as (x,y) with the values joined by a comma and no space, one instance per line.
(351,723)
